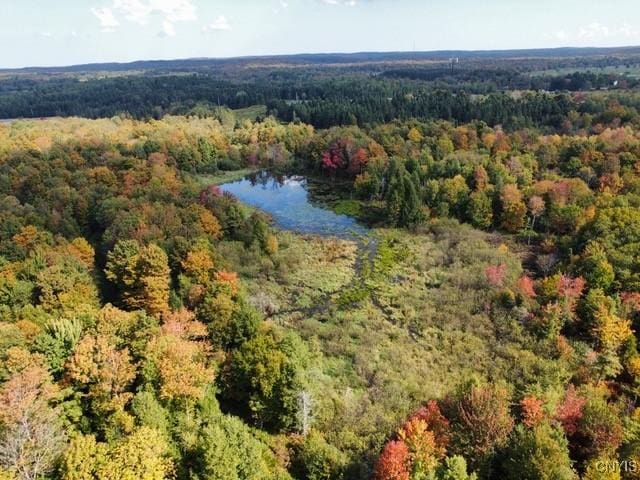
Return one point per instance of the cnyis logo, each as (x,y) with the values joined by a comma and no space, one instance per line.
(612,466)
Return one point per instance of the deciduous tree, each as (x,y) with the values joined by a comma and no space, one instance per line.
(394,462)
(513,208)
(31,435)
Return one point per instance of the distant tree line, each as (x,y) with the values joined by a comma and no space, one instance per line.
(323,103)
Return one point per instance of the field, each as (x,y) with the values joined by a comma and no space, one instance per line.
(631,70)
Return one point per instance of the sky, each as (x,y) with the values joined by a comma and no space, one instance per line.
(68,32)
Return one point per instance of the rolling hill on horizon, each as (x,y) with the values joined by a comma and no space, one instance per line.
(334,57)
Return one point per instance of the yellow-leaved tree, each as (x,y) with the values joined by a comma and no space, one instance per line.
(141,273)
(143,455)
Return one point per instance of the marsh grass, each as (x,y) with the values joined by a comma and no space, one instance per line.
(402,329)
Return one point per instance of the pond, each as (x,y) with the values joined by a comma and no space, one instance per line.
(287,200)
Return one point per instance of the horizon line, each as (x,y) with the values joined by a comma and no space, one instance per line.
(317,54)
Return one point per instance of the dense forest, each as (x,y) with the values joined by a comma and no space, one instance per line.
(323,103)
(327,91)
(153,327)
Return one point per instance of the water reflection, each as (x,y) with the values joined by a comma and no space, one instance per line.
(286,199)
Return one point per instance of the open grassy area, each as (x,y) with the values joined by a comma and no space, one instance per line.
(395,328)
(250,113)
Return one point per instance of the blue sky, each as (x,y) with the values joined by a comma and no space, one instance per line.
(63,32)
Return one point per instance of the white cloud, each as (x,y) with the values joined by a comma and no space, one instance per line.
(140,11)
(107,20)
(349,3)
(168,29)
(282,6)
(143,12)
(220,23)
(596,31)
(628,31)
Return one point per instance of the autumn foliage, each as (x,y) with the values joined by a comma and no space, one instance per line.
(496,274)
(394,462)
(420,445)
(570,411)
(532,411)
(153,327)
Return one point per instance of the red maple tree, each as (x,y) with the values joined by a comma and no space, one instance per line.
(394,462)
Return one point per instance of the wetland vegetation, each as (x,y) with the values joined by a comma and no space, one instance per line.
(421,284)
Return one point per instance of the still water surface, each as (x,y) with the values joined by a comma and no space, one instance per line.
(286,199)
